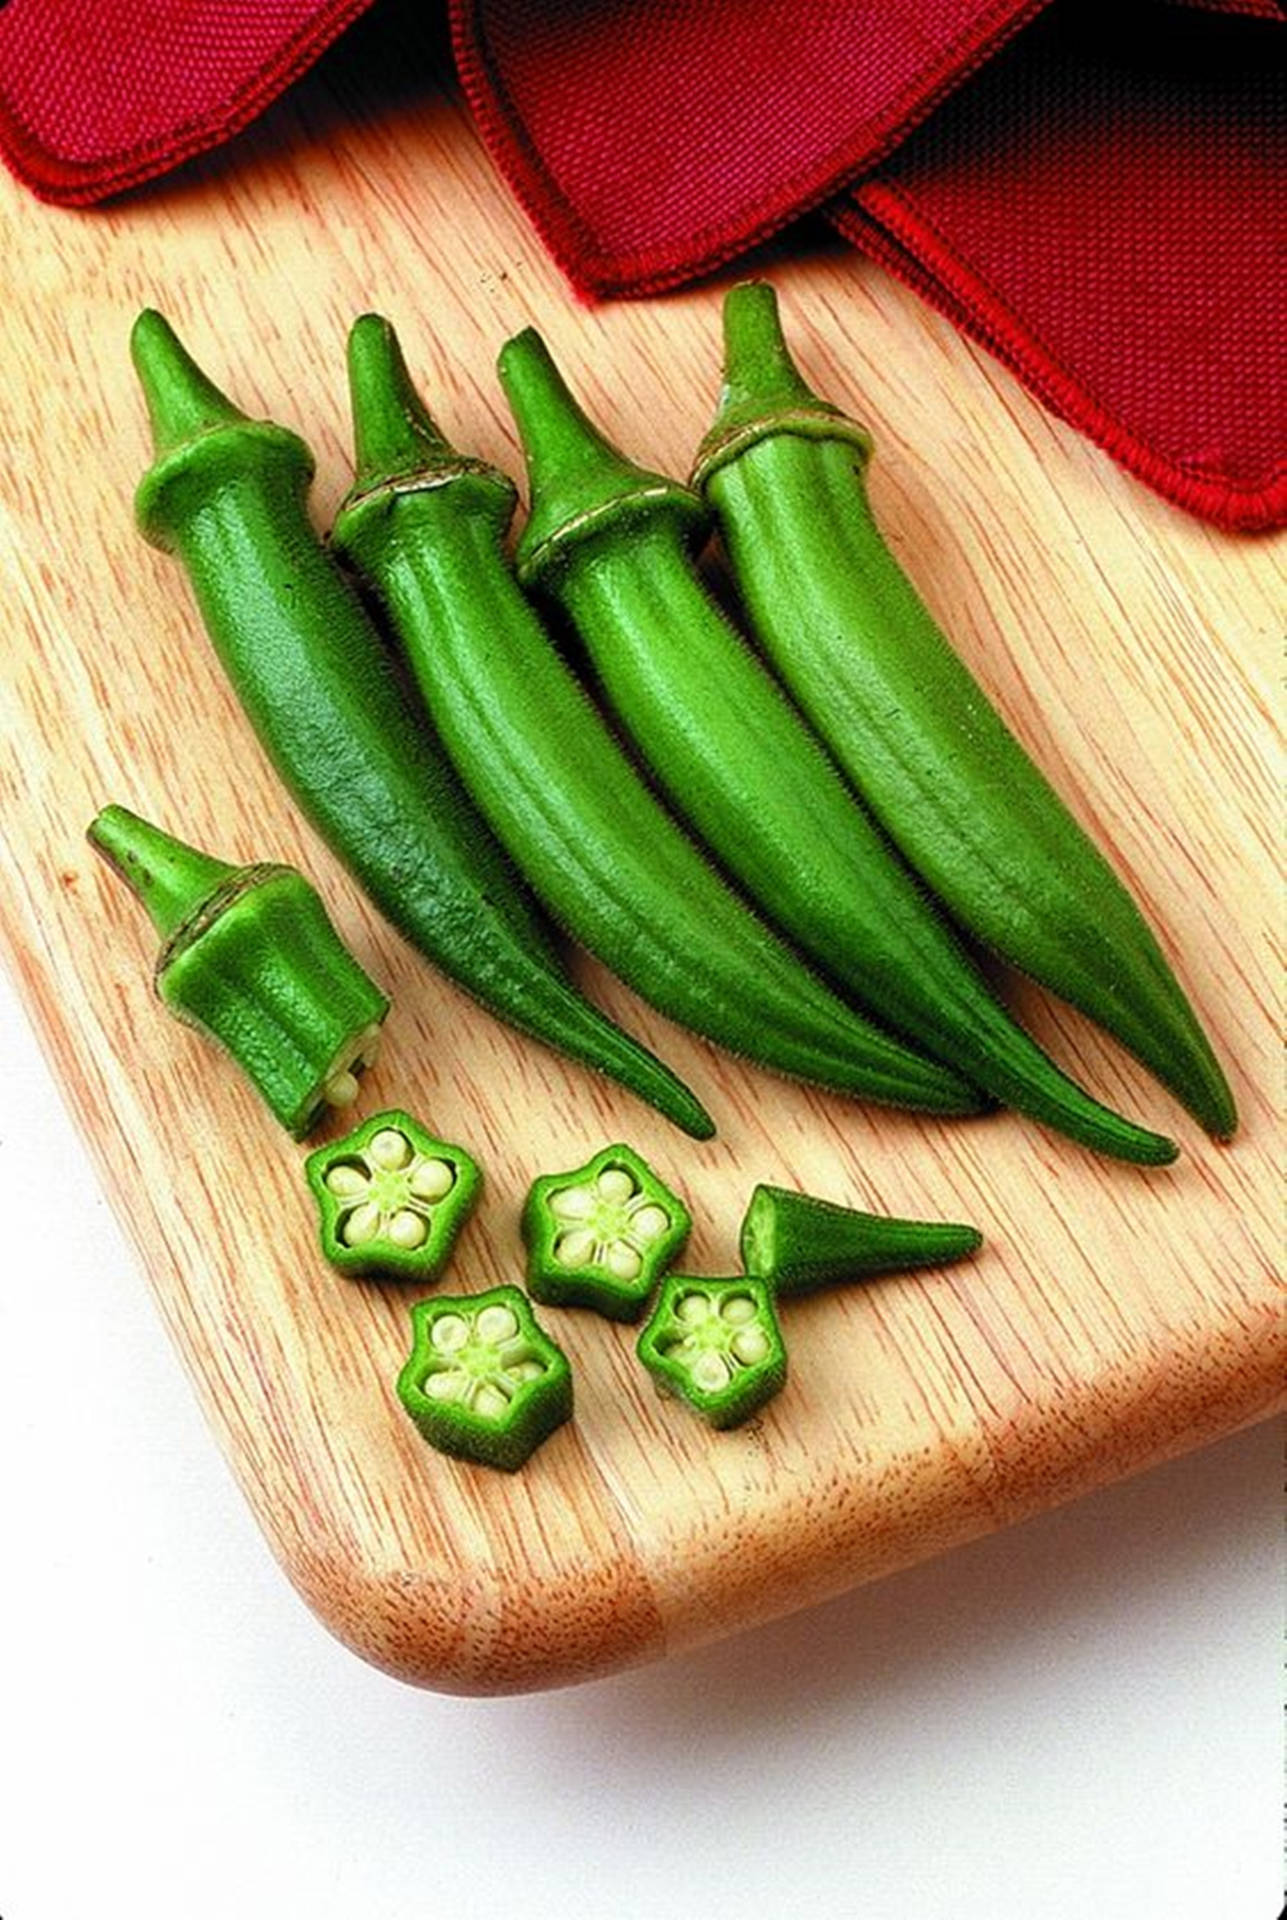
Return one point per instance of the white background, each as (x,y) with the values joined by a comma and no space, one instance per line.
(1075,1720)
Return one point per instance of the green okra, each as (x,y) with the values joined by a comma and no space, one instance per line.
(601,1235)
(391,1198)
(716,1344)
(798,1243)
(423,526)
(251,959)
(228,495)
(610,541)
(849,636)
(483,1381)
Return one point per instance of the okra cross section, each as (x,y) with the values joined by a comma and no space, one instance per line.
(391,1198)
(601,1235)
(717,1345)
(483,1382)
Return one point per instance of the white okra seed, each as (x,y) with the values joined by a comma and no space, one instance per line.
(615,1184)
(444,1385)
(572,1203)
(750,1345)
(389,1150)
(361,1225)
(341,1090)
(495,1325)
(738,1309)
(622,1261)
(649,1223)
(408,1230)
(575,1249)
(489,1401)
(346,1181)
(691,1308)
(710,1371)
(449,1332)
(432,1179)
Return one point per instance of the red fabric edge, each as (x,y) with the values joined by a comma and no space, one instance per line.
(75,183)
(884,223)
(595,274)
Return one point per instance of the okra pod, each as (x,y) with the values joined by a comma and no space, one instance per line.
(249,957)
(610,541)
(847,633)
(424,526)
(228,495)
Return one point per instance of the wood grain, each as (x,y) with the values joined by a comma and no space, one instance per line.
(1115,1317)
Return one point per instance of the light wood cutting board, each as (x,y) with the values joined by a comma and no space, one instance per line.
(1115,1317)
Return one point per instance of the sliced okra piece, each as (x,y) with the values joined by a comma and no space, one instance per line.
(483,1382)
(391,1198)
(602,1235)
(798,1243)
(716,1344)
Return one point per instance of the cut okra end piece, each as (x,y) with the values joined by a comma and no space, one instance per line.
(798,1243)
(716,1344)
(483,1381)
(601,1235)
(391,1198)
(250,958)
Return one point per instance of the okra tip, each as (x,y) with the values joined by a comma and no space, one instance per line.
(182,402)
(168,877)
(578,480)
(394,435)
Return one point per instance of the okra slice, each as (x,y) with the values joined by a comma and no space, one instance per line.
(716,1344)
(483,1382)
(799,1243)
(391,1198)
(602,1235)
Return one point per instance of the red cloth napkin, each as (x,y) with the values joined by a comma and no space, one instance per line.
(1095,194)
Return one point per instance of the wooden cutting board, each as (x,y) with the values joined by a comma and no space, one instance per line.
(1115,1317)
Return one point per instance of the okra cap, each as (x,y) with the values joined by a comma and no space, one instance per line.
(581,486)
(201,441)
(399,451)
(764,392)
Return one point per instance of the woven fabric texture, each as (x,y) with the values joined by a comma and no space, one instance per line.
(1094,191)
(1107,213)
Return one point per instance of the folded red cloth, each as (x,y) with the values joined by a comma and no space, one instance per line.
(1102,218)
(98,95)
(1106,211)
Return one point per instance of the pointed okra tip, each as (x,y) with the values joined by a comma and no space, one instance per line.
(170,878)
(183,403)
(763,390)
(578,481)
(394,435)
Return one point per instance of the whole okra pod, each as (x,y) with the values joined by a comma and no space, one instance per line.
(849,636)
(610,541)
(251,959)
(423,525)
(228,495)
